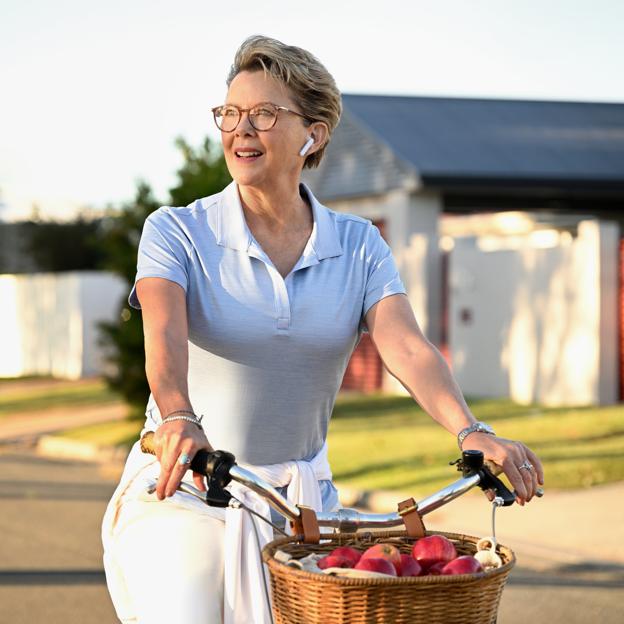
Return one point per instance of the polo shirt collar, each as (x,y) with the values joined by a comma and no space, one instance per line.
(232,230)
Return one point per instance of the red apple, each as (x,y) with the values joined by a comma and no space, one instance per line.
(409,566)
(333,561)
(436,569)
(433,548)
(466,564)
(349,553)
(384,551)
(374,564)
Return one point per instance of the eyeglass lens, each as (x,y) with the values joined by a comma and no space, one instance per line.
(261,117)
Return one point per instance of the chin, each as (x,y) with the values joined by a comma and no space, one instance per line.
(246,178)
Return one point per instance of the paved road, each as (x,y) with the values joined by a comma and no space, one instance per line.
(50,556)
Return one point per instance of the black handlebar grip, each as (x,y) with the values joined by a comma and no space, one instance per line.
(215,464)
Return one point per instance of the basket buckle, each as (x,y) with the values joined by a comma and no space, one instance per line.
(408,510)
(307,525)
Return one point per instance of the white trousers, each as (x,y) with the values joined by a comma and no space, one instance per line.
(171,562)
(164,560)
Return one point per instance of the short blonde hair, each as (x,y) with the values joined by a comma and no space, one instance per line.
(311,85)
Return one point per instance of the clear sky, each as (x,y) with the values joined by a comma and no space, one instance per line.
(93,94)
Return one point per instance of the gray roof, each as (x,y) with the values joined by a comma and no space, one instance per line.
(449,141)
(356,163)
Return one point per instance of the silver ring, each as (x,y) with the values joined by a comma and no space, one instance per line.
(184,459)
(526,466)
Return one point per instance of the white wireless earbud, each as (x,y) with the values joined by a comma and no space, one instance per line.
(307,146)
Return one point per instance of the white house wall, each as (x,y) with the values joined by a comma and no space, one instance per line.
(49,322)
(411,224)
(536,322)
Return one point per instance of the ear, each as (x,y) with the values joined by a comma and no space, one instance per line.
(320,133)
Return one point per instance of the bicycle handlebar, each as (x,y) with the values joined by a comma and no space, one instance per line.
(220,468)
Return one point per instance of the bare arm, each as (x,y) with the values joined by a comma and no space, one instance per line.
(166,363)
(420,367)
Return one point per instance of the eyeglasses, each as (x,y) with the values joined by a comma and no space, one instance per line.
(262,116)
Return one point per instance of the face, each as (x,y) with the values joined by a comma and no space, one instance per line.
(279,147)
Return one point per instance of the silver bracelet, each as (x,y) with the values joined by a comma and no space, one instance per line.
(194,420)
(184,411)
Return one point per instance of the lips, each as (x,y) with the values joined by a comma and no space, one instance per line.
(247,153)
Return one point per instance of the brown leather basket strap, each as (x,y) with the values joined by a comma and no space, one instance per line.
(307,525)
(408,510)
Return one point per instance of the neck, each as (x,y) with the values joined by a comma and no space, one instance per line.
(279,208)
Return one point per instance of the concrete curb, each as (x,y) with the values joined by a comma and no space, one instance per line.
(58,447)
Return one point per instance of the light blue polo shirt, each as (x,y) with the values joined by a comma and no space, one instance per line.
(266,354)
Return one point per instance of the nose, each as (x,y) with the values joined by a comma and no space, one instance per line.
(244,125)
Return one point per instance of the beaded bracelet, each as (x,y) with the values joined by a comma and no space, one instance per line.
(194,420)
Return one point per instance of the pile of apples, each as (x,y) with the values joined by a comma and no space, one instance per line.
(431,556)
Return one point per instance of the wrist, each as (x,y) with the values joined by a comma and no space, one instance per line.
(186,412)
(183,415)
(477,427)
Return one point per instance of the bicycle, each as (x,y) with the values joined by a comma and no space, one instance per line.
(429,598)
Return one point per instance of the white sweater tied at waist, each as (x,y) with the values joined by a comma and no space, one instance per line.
(244,593)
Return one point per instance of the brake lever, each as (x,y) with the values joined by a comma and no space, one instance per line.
(490,482)
(472,462)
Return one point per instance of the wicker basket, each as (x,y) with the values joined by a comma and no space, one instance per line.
(301,597)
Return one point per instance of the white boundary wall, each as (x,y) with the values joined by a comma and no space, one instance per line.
(49,322)
(537,322)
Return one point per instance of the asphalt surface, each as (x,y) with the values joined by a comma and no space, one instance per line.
(51,570)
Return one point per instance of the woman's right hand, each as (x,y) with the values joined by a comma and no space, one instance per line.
(172,439)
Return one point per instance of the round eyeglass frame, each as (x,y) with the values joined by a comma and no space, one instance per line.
(277,108)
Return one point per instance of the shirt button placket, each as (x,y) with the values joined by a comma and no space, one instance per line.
(282,301)
(280,292)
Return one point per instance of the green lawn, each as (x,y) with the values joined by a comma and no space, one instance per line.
(16,399)
(389,443)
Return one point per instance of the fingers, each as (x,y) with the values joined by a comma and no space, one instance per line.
(200,481)
(537,465)
(528,479)
(516,478)
(521,466)
(171,470)
(179,469)
(489,494)
(532,471)
(173,440)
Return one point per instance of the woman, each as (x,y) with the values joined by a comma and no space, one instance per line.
(253,301)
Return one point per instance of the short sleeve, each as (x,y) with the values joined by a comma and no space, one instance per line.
(383,277)
(162,252)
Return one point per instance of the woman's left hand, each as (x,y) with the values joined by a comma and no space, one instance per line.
(521,465)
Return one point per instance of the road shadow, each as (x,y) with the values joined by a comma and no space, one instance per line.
(63,491)
(52,577)
(584,575)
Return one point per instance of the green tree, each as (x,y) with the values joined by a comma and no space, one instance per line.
(123,338)
(202,173)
